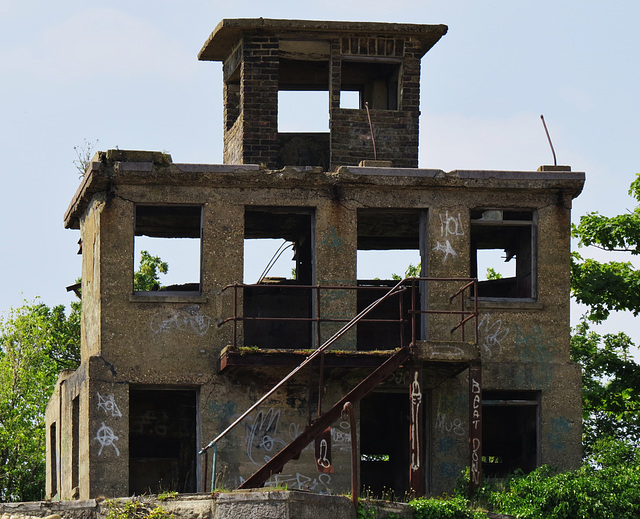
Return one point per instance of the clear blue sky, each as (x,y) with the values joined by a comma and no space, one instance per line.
(126,73)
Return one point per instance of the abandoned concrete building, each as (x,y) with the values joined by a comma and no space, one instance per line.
(448,369)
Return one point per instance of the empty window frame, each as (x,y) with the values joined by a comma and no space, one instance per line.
(303,104)
(278,258)
(500,236)
(389,243)
(510,432)
(171,233)
(376,82)
(303,93)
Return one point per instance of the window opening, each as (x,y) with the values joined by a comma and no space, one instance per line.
(510,425)
(162,440)
(384,443)
(303,111)
(303,104)
(376,82)
(269,258)
(388,245)
(53,459)
(278,256)
(350,99)
(503,253)
(75,441)
(171,233)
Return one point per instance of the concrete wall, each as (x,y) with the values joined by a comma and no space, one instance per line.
(169,341)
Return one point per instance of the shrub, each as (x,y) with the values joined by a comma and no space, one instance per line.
(455,507)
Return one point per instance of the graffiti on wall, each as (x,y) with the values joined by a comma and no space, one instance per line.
(265,435)
(105,435)
(188,318)
(108,405)
(560,429)
(107,438)
(447,423)
(446,248)
(414,425)
(492,335)
(450,228)
(476,427)
(450,225)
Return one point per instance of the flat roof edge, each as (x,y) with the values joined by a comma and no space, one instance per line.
(226,33)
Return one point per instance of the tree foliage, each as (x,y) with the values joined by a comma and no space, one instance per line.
(611,377)
(36,342)
(148,274)
(606,486)
(610,386)
(613,285)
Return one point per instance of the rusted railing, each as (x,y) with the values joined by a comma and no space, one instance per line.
(414,284)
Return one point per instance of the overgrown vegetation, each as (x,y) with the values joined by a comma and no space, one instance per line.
(135,508)
(84,153)
(611,376)
(607,485)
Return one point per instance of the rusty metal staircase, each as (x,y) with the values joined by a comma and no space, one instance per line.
(275,464)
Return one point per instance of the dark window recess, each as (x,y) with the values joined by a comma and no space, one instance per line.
(509,432)
(53,459)
(280,298)
(390,240)
(162,440)
(384,444)
(172,233)
(376,83)
(500,237)
(75,442)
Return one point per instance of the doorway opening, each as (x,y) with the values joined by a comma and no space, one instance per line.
(162,440)
(384,444)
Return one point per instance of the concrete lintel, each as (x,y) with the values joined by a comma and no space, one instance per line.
(391,172)
(544,174)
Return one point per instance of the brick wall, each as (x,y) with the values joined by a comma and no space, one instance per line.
(396,136)
(259,96)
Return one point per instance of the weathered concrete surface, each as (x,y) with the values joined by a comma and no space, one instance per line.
(172,339)
(225,505)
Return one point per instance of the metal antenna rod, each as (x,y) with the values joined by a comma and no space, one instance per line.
(555,163)
(373,139)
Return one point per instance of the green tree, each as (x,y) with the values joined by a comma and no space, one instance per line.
(611,377)
(412,271)
(36,342)
(614,285)
(493,273)
(610,386)
(148,274)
